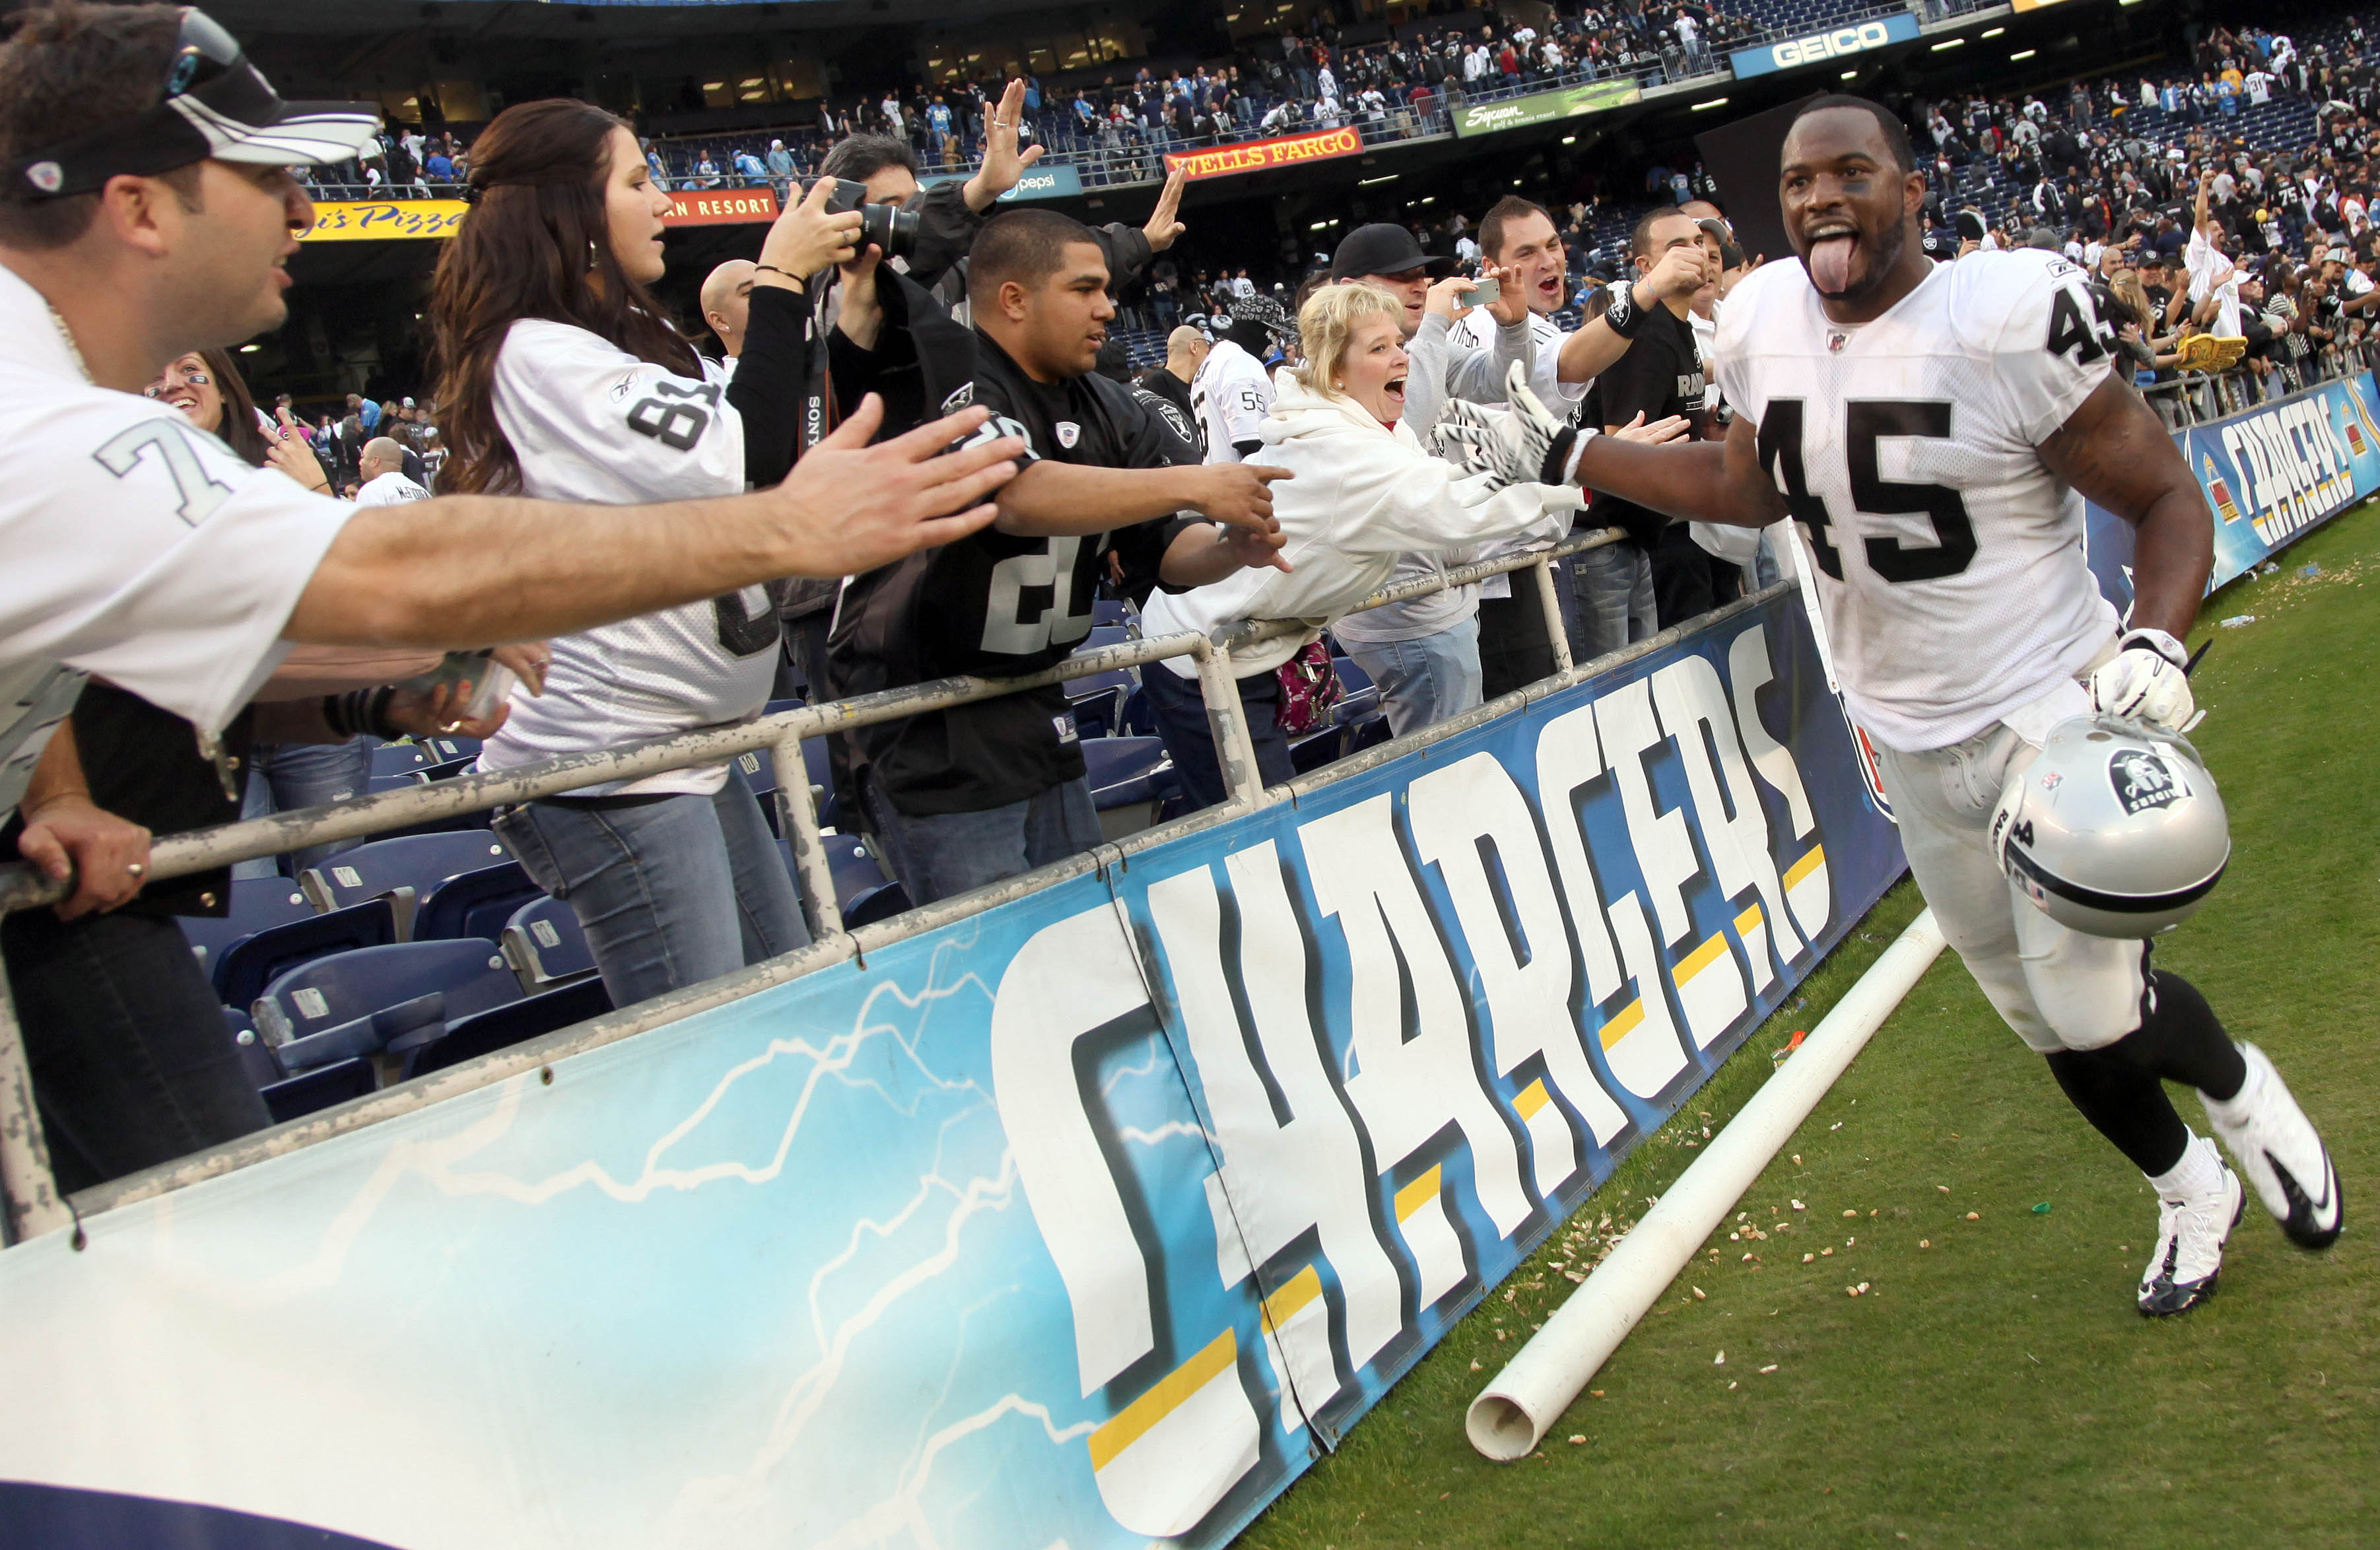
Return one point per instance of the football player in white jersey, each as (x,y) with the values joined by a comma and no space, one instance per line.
(1233,391)
(562,381)
(1931,430)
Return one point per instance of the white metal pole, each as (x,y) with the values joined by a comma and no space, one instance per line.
(1516,1410)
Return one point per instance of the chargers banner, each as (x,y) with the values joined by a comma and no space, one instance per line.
(1819,47)
(2269,474)
(1089,1220)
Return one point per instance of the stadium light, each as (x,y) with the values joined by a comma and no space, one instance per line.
(1367,182)
(1992,32)
(1950,43)
(1714,102)
(2021,53)
(1851,74)
(1569,139)
(249,349)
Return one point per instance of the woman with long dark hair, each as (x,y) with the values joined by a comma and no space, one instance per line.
(561,377)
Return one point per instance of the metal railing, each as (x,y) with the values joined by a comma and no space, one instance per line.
(2194,398)
(29,1192)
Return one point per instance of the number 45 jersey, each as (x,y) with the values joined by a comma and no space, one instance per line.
(1951,560)
(590,422)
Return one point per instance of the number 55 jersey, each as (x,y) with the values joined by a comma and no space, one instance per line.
(1951,560)
(589,421)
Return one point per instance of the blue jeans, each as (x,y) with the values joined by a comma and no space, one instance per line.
(1614,587)
(935,856)
(1426,679)
(671,890)
(1181,713)
(285,776)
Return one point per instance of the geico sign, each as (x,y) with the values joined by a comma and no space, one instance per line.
(1823,46)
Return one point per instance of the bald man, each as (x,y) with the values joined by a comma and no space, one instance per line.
(382,470)
(1185,347)
(727,305)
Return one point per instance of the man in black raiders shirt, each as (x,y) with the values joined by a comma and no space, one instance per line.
(1660,375)
(963,797)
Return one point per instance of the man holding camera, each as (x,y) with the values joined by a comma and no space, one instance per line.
(961,798)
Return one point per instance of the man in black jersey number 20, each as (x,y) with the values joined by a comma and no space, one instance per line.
(963,797)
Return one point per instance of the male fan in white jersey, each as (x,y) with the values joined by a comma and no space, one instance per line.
(1233,391)
(1931,430)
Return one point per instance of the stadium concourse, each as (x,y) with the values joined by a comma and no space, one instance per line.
(2211,186)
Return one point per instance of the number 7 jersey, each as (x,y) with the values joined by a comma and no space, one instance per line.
(1951,560)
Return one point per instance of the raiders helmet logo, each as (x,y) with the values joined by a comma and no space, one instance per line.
(1068,432)
(961,396)
(2143,780)
(48,177)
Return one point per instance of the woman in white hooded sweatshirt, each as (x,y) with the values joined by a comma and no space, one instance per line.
(1366,491)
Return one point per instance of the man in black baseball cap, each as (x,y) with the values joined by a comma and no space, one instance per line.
(1386,254)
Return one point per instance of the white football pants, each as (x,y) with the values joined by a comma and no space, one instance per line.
(2059,988)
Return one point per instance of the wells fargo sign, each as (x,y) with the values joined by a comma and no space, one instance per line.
(1257,155)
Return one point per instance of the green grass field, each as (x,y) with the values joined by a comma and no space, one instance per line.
(1996,1387)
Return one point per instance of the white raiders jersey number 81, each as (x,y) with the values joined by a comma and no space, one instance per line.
(1953,578)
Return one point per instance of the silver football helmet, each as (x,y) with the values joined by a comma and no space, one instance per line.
(2115,830)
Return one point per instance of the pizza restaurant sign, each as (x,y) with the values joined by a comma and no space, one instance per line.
(383,219)
(1261,155)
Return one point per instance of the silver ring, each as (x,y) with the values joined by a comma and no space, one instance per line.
(137,869)
(1003,123)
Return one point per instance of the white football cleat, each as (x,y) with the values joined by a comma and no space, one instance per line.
(2188,1257)
(2277,1149)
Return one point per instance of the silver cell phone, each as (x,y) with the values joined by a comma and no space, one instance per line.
(1485,294)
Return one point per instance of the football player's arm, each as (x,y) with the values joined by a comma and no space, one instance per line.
(1700,481)
(472,570)
(2115,451)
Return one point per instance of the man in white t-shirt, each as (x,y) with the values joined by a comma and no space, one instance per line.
(381,468)
(2213,278)
(136,548)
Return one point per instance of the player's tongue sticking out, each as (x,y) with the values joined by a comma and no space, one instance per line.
(1831,264)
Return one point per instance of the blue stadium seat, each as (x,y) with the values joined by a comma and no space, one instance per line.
(516,1022)
(1316,749)
(442,750)
(849,862)
(406,869)
(256,1057)
(873,905)
(1351,676)
(1114,611)
(256,903)
(447,770)
(474,904)
(758,768)
(545,945)
(1099,700)
(316,1090)
(251,964)
(399,758)
(1104,635)
(1129,777)
(379,999)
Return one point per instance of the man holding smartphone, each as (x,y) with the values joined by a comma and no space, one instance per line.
(1661,375)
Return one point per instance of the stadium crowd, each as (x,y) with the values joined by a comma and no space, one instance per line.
(573,483)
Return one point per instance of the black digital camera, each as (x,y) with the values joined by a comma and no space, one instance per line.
(892,229)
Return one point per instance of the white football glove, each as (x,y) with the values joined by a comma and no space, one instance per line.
(2147,681)
(1522,444)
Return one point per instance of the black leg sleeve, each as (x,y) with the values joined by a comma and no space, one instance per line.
(2181,1040)
(2125,1104)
